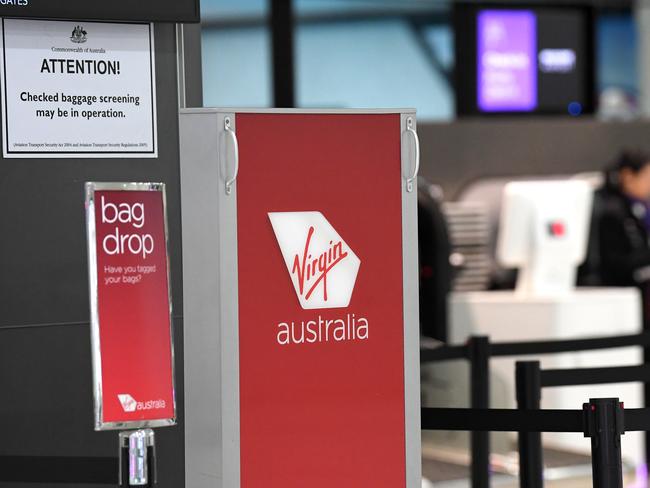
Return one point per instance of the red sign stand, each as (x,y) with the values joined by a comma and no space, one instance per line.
(131,327)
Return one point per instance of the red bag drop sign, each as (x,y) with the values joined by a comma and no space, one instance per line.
(130,303)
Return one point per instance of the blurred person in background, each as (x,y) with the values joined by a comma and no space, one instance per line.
(622,222)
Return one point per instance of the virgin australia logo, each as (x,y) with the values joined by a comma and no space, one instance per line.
(128,402)
(78,35)
(322,267)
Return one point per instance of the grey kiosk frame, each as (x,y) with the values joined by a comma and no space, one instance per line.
(209,164)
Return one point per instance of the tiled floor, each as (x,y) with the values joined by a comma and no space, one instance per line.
(449,469)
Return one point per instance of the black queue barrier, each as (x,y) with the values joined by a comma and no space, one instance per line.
(601,419)
(478,350)
(530,379)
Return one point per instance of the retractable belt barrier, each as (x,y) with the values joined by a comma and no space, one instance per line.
(502,420)
(530,380)
(528,420)
(478,350)
(601,419)
(445,353)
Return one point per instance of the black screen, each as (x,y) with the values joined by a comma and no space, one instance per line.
(559,50)
(562,31)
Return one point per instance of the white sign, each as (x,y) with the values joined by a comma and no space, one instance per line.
(77,89)
(322,267)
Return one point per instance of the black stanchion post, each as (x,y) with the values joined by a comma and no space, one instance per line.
(646,404)
(479,357)
(645,293)
(604,423)
(529,395)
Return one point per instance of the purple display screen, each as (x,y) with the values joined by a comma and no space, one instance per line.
(507,67)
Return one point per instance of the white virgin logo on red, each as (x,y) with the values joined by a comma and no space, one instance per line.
(322,267)
(130,404)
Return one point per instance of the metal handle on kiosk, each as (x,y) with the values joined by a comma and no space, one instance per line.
(137,463)
(416,145)
(233,138)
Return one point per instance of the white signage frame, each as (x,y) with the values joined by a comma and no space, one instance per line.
(149,139)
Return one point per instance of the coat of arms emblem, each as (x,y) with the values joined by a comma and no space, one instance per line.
(78,35)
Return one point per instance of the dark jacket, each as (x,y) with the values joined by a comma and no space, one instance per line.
(622,240)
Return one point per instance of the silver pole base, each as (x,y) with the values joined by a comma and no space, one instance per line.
(137,442)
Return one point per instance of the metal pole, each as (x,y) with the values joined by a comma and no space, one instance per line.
(529,395)
(188,65)
(137,462)
(282,45)
(604,423)
(479,357)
